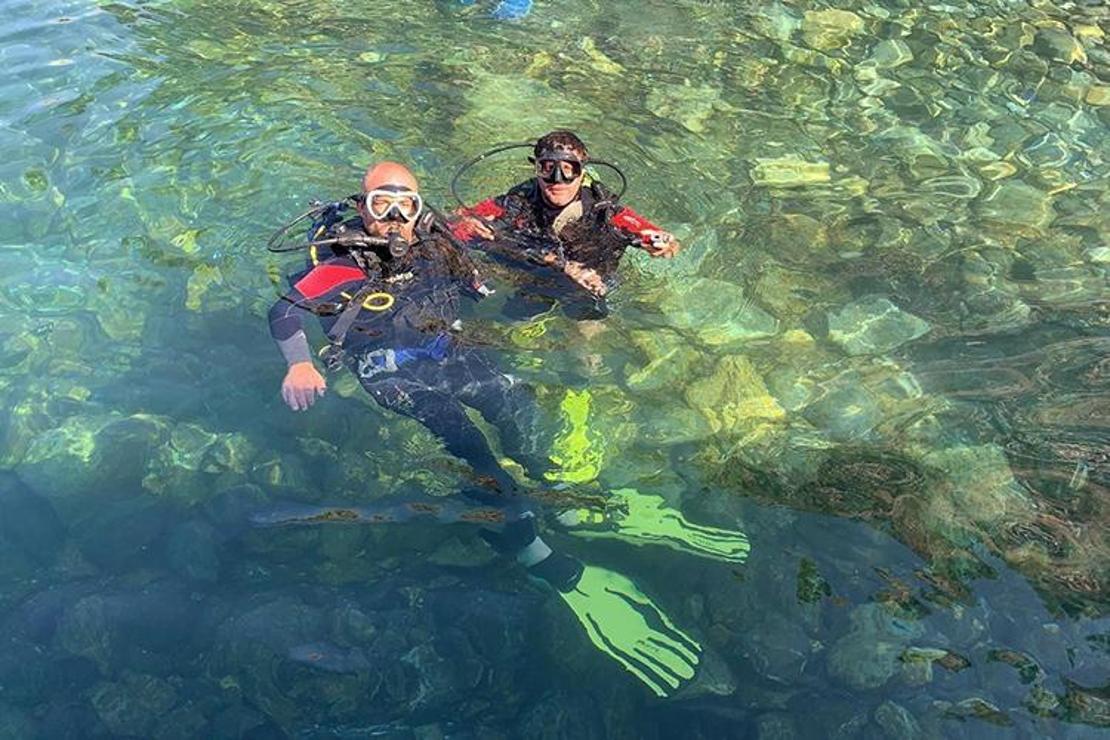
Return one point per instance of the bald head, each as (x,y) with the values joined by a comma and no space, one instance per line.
(388,173)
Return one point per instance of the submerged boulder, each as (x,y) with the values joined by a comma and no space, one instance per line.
(717,312)
(734,398)
(874,325)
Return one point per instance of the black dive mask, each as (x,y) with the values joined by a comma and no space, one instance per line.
(557,166)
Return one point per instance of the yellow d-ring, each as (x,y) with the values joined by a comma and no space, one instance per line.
(378,302)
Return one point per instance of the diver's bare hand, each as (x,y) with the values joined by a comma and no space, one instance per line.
(468,227)
(302,384)
(660,244)
(587,277)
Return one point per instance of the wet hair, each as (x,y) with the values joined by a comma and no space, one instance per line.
(560,139)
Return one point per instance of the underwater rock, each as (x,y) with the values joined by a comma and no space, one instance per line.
(861,663)
(456,552)
(669,361)
(812,586)
(1098,95)
(562,715)
(1058,45)
(232,508)
(777,649)
(775,21)
(1017,208)
(185,722)
(1099,255)
(90,457)
(512,106)
(1090,706)
(923,156)
(352,626)
(111,626)
(184,468)
(119,533)
(325,656)
(133,706)
(28,521)
(979,708)
(788,172)
(717,312)
(896,722)
(690,106)
(874,325)
(845,410)
(868,656)
(734,399)
(830,29)
(776,726)
(14,725)
(670,425)
(917,663)
(193,551)
(1026,666)
(979,484)
(890,53)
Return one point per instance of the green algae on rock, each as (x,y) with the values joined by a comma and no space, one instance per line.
(733,399)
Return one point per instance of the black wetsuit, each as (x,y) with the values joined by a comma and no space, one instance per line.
(592,230)
(402,346)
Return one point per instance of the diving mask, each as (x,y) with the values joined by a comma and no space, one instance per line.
(554,167)
(393,203)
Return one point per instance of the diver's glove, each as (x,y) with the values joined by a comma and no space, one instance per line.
(619,619)
(642,519)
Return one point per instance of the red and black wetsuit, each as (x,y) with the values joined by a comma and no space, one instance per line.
(400,343)
(597,238)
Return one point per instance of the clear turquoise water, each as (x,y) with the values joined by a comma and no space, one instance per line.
(882,355)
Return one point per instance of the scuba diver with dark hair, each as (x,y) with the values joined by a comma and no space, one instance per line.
(386,287)
(577,223)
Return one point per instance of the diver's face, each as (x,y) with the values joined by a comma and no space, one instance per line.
(559,180)
(384,228)
(386,213)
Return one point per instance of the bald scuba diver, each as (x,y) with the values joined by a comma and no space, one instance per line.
(567,218)
(386,286)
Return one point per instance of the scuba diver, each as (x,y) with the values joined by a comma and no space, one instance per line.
(386,287)
(564,217)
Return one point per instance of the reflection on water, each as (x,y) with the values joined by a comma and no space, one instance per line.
(882,355)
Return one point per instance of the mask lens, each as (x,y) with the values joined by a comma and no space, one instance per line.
(382,204)
(558,170)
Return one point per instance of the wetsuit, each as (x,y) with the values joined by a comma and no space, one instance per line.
(592,229)
(393,323)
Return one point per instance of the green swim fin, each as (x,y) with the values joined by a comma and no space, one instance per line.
(623,623)
(643,519)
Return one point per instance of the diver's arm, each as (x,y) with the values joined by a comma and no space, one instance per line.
(471,222)
(287,328)
(645,234)
(302,382)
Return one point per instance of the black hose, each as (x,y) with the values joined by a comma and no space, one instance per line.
(496,150)
(275,242)
(506,147)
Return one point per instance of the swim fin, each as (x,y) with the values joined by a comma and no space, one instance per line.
(643,519)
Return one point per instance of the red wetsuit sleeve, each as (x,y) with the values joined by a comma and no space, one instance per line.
(633,224)
(488,210)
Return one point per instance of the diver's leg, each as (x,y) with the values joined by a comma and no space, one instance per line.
(445,417)
(508,404)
